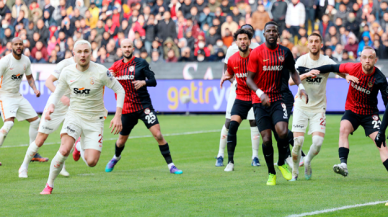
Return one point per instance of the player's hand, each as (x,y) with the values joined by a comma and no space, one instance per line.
(224,78)
(116,124)
(303,93)
(65,100)
(138,84)
(265,100)
(112,73)
(380,139)
(49,111)
(350,78)
(313,73)
(37,93)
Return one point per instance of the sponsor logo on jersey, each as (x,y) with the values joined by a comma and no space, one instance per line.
(132,68)
(265,60)
(47,128)
(314,80)
(69,129)
(91,81)
(17,77)
(281,58)
(298,126)
(242,75)
(272,68)
(81,90)
(359,88)
(370,84)
(125,77)
(147,111)
(375,117)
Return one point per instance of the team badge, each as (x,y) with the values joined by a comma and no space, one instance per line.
(370,84)
(375,117)
(24,67)
(284,106)
(147,111)
(91,81)
(131,68)
(281,58)
(108,74)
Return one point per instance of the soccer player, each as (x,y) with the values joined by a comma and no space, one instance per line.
(47,127)
(361,104)
(255,135)
(312,113)
(237,68)
(134,74)
(12,103)
(85,116)
(265,71)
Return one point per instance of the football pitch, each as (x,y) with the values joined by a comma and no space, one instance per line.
(141,184)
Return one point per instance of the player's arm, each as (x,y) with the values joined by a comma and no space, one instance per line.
(150,82)
(290,64)
(301,76)
(228,75)
(56,96)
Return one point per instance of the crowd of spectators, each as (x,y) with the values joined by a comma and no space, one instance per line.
(188,30)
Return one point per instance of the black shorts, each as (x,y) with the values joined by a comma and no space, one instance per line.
(268,117)
(241,108)
(370,123)
(289,106)
(130,120)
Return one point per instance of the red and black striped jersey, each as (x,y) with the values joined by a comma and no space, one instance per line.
(269,66)
(362,97)
(238,66)
(134,70)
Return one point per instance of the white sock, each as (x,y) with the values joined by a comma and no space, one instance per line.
(223,140)
(255,137)
(55,168)
(170,165)
(33,132)
(296,153)
(31,151)
(117,158)
(5,130)
(315,148)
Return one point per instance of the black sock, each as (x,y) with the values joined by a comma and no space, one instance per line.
(118,150)
(232,140)
(386,164)
(165,150)
(268,156)
(343,154)
(282,150)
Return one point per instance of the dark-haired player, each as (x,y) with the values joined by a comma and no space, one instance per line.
(134,74)
(237,68)
(361,104)
(265,71)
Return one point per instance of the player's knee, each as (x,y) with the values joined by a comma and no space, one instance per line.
(121,141)
(7,126)
(252,123)
(40,139)
(298,141)
(344,131)
(35,123)
(233,128)
(317,141)
(92,162)
(158,136)
(64,151)
(267,140)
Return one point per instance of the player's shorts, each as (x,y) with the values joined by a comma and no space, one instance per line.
(130,120)
(57,117)
(302,119)
(17,107)
(268,117)
(90,129)
(241,108)
(370,123)
(229,106)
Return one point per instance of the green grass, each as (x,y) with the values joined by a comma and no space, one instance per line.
(141,184)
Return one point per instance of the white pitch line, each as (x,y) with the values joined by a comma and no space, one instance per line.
(132,137)
(336,209)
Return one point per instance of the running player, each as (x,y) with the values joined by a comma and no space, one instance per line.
(312,113)
(361,104)
(47,127)
(255,135)
(265,71)
(132,73)
(237,68)
(85,115)
(13,104)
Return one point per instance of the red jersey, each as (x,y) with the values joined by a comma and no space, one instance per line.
(362,97)
(238,66)
(269,66)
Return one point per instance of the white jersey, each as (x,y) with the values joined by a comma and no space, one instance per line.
(60,66)
(11,72)
(315,87)
(87,89)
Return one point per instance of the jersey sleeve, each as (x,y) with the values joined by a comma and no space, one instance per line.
(3,66)
(150,75)
(111,82)
(230,68)
(298,63)
(61,88)
(347,68)
(289,60)
(384,90)
(57,71)
(253,63)
(28,68)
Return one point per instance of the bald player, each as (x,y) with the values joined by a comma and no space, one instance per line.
(134,74)
(13,104)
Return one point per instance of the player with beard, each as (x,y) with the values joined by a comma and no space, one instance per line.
(13,104)
(237,68)
(311,114)
(265,72)
(134,74)
(361,104)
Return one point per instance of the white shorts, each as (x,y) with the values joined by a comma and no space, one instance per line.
(229,106)
(17,107)
(91,131)
(302,118)
(48,127)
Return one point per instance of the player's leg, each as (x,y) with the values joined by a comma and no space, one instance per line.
(7,126)
(383,151)
(223,141)
(290,137)
(33,132)
(371,126)
(31,151)
(232,141)
(255,139)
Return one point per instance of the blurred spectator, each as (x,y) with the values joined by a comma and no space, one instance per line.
(322,6)
(27,53)
(295,17)
(365,41)
(185,55)
(38,58)
(186,6)
(21,19)
(345,56)
(225,7)
(201,47)
(230,25)
(331,12)
(8,47)
(278,12)
(338,52)
(101,55)
(206,17)
(144,55)
(95,51)
(213,37)
(7,37)
(236,15)
(219,15)
(213,5)
(111,28)
(19,6)
(105,39)
(44,32)
(171,57)
(3,9)
(166,28)
(310,7)
(47,19)
(286,43)
(331,33)
(170,45)
(325,25)
(174,8)
(200,4)
(329,53)
(110,52)
(53,58)
(342,13)
(352,25)
(352,45)
(155,57)
(302,46)
(376,31)
(193,14)
(295,52)
(259,19)
(51,45)
(79,4)
(383,10)
(228,38)
(201,57)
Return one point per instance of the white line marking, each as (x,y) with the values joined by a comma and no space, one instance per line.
(336,209)
(132,137)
